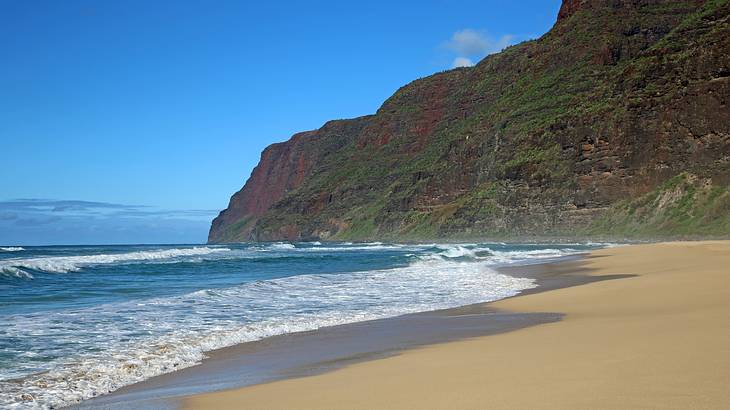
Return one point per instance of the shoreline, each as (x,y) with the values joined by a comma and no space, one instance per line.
(657,339)
(300,354)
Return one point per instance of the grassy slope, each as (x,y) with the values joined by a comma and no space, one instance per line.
(684,206)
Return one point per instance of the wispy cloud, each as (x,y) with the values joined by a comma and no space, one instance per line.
(8,216)
(37,221)
(462,62)
(76,208)
(33,221)
(38,204)
(471,45)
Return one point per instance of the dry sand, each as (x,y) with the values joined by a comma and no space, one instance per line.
(660,339)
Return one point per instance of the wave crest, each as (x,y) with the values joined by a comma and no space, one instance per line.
(21,267)
(474,252)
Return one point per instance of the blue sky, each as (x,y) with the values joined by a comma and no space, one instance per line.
(166,105)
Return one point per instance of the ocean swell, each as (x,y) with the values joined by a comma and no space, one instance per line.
(22,267)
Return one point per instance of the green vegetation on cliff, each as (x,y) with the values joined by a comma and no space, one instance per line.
(613,123)
(684,206)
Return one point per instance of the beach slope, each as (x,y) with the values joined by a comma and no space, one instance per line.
(659,339)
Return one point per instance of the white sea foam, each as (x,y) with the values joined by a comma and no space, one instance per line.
(495,257)
(458,251)
(604,244)
(349,247)
(281,246)
(11,249)
(510,257)
(20,267)
(222,317)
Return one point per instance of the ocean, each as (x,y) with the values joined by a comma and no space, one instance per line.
(81,321)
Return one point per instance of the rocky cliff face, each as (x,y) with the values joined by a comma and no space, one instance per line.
(559,136)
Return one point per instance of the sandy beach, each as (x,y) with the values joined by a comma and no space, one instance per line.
(658,339)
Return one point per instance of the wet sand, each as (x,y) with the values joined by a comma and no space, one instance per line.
(659,338)
(310,353)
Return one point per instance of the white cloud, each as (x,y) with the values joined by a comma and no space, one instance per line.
(462,62)
(504,42)
(468,42)
(471,45)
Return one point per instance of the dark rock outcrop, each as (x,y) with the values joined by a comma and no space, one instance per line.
(550,137)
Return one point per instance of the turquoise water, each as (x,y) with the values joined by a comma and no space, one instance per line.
(80,321)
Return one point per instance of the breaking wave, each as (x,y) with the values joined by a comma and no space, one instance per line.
(497,257)
(282,246)
(22,267)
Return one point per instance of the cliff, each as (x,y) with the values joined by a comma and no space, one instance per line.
(614,123)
